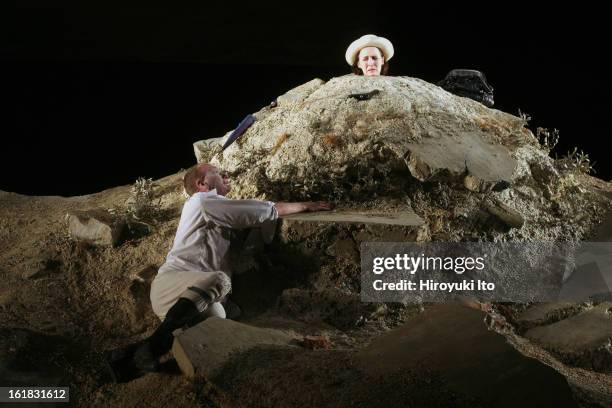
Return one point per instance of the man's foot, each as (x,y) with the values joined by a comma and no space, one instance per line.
(120,363)
(145,359)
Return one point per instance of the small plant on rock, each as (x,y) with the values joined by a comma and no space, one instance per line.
(142,206)
(141,210)
(576,161)
(548,139)
(524,117)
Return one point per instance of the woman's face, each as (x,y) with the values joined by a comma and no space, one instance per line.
(370,61)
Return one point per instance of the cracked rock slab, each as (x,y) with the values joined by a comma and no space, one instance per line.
(588,330)
(544,312)
(464,153)
(205,348)
(454,341)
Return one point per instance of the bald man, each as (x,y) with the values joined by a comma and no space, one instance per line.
(196,275)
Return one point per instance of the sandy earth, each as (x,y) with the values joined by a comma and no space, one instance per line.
(63,303)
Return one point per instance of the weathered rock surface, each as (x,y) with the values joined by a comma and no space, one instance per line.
(468,172)
(300,93)
(409,146)
(454,341)
(326,244)
(546,313)
(404,218)
(504,213)
(207,347)
(309,280)
(97,227)
(408,127)
(583,340)
(557,341)
(205,149)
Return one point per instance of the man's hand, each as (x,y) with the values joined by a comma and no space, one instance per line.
(294,208)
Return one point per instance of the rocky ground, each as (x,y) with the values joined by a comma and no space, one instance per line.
(63,303)
(428,166)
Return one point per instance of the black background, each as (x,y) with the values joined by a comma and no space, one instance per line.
(97,95)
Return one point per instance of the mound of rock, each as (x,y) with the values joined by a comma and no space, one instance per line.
(408,144)
(385,147)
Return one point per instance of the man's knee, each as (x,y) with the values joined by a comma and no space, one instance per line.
(209,290)
(215,310)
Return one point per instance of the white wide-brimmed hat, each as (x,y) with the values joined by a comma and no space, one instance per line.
(369,40)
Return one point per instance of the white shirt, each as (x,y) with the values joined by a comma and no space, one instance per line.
(202,240)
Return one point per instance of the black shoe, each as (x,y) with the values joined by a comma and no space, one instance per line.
(145,359)
(120,363)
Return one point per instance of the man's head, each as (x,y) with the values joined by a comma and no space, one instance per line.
(205,177)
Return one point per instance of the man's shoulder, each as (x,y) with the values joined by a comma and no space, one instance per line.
(201,196)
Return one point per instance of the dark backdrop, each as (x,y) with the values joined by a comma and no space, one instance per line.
(96,96)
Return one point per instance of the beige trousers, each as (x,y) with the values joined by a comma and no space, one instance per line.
(169,286)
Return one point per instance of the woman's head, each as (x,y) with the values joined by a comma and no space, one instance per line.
(369,55)
(370,62)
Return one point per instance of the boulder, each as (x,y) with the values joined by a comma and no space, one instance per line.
(96,227)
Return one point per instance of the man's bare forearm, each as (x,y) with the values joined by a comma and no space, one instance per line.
(294,208)
(289,208)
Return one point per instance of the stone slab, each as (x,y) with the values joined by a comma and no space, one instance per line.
(454,341)
(543,311)
(205,348)
(466,152)
(405,218)
(586,331)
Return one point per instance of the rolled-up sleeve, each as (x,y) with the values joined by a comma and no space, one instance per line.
(239,213)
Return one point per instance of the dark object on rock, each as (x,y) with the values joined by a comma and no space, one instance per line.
(501,186)
(316,342)
(242,127)
(364,96)
(469,83)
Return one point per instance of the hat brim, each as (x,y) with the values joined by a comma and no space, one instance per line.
(381,43)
